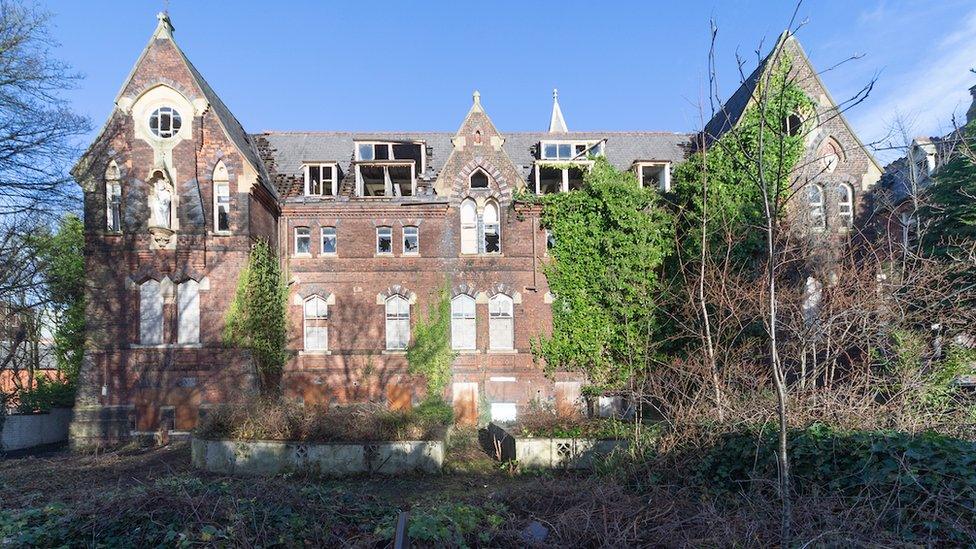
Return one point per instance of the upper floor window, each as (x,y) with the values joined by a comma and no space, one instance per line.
(411,240)
(384,240)
(388,168)
(845,204)
(469,227)
(221,197)
(654,175)
(815,203)
(316,329)
(501,327)
(303,241)
(321,179)
(113,198)
(330,240)
(397,323)
(562,176)
(479,179)
(463,323)
(492,229)
(570,150)
(165,122)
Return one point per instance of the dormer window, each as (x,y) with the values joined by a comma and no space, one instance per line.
(562,164)
(387,169)
(570,150)
(165,122)
(321,179)
(656,175)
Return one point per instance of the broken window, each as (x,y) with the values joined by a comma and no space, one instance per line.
(570,150)
(469,227)
(329,240)
(463,323)
(316,315)
(479,180)
(500,323)
(492,234)
(303,241)
(574,179)
(320,179)
(384,240)
(564,176)
(549,180)
(411,240)
(845,204)
(815,202)
(388,169)
(397,323)
(654,175)
(372,180)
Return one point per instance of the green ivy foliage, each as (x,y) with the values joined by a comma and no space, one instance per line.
(734,200)
(256,319)
(950,212)
(430,353)
(611,239)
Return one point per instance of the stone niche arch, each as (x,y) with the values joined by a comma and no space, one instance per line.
(163,202)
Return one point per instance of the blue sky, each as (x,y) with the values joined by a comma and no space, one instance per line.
(618,65)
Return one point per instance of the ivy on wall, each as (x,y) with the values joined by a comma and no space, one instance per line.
(430,353)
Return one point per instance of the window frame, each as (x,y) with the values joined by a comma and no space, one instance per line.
(663,165)
(476,172)
(845,201)
(378,230)
(333,184)
(459,322)
(573,144)
(416,235)
(497,317)
(485,225)
(158,113)
(221,199)
(563,166)
(308,236)
(335,238)
(399,319)
(815,209)
(386,163)
(319,321)
(113,208)
(188,303)
(469,228)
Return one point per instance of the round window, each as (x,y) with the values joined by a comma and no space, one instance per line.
(165,122)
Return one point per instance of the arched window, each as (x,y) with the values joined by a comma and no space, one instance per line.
(188,312)
(113,198)
(463,323)
(469,227)
(397,323)
(492,230)
(150,313)
(221,199)
(815,202)
(316,327)
(501,328)
(845,204)
(830,156)
(478,179)
(792,125)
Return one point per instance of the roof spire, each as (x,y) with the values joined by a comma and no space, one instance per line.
(164,28)
(556,121)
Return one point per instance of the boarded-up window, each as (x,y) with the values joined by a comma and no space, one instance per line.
(397,323)
(503,412)
(463,323)
(500,323)
(150,313)
(188,312)
(316,313)
(469,227)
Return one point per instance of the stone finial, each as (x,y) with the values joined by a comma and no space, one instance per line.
(476,105)
(164,28)
(556,121)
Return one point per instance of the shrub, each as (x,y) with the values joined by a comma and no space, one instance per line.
(291,421)
(544,422)
(45,395)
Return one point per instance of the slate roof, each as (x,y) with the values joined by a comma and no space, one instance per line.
(289,150)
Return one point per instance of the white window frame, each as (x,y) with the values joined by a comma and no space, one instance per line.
(188,313)
(113,206)
(845,205)
(308,236)
(158,114)
(318,316)
(487,227)
(150,313)
(665,166)
(563,166)
(501,323)
(387,163)
(390,231)
(815,208)
(469,228)
(464,323)
(221,199)
(397,323)
(333,184)
(335,236)
(597,147)
(415,232)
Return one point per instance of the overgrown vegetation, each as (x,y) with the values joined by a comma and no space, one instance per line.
(256,320)
(430,354)
(611,238)
(278,420)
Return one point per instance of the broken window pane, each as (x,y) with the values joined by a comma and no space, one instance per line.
(303,240)
(575,177)
(373,179)
(401,180)
(408,151)
(327,178)
(384,240)
(651,176)
(411,240)
(479,180)
(381,151)
(314,180)
(550,180)
(329,240)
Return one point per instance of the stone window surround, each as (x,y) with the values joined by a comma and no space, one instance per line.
(168,291)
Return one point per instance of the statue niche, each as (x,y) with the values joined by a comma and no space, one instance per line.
(161,218)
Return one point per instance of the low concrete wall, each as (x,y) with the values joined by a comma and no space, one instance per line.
(22,431)
(327,459)
(551,453)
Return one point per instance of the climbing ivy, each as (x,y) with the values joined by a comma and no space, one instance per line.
(430,353)
(611,238)
(256,318)
(950,213)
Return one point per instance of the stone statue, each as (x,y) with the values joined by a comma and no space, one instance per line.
(164,200)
